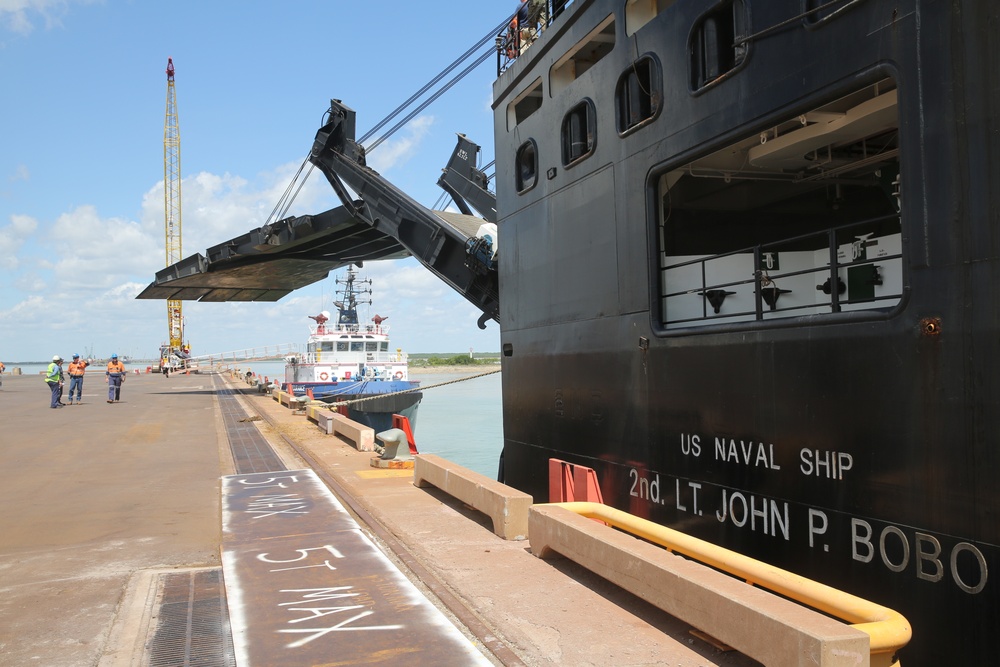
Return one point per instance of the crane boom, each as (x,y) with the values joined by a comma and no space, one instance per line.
(172,203)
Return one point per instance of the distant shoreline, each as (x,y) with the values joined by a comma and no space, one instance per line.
(465,370)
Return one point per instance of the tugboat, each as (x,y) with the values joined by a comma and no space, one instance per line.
(353,363)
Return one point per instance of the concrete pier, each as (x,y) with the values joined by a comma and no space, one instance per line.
(104,500)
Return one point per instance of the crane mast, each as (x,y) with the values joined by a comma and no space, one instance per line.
(172,203)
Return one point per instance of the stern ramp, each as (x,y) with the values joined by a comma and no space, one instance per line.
(383,222)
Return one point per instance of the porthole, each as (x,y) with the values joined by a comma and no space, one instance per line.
(639,94)
(526,166)
(578,133)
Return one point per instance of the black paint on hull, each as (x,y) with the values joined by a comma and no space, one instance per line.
(855,443)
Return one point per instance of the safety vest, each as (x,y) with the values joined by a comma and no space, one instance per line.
(115,367)
(77,368)
(53,373)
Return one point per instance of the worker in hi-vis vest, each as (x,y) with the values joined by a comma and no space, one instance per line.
(54,378)
(77,367)
(114,376)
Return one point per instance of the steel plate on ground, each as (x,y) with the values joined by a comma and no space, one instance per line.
(307,587)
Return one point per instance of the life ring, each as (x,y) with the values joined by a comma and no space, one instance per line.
(399,375)
(323,376)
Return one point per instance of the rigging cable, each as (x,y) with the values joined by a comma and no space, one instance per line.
(426,103)
(806,14)
(462,58)
(288,197)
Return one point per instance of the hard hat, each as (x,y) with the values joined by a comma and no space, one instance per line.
(57,358)
(114,356)
(76,356)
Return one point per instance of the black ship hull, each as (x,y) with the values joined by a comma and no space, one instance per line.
(847,434)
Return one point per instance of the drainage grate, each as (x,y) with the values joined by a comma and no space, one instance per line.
(192,627)
(251,453)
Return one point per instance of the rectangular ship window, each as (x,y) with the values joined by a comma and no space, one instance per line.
(802,218)
(583,55)
(527,103)
(640,12)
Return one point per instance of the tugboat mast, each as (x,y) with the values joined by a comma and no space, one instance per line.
(348,305)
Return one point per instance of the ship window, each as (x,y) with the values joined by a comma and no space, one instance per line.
(383,346)
(527,103)
(326,346)
(583,55)
(800,218)
(371,347)
(357,347)
(714,47)
(526,167)
(578,133)
(639,94)
(640,12)
(342,347)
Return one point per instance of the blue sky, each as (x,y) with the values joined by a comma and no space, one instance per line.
(81,157)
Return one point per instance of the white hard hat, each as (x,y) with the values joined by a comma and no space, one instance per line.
(57,358)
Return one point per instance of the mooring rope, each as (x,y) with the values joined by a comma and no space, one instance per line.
(410,391)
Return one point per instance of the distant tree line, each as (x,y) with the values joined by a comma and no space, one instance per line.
(452,360)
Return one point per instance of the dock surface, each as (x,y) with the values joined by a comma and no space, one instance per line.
(113,530)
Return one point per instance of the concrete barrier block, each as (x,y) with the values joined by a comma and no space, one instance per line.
(505,505)
(761,625)
(363,437)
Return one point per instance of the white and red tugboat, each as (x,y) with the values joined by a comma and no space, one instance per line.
(347,360)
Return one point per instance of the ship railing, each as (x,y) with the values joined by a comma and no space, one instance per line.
(827,296)
(322,329)
(327,358)
(888,630)
(265,353)
(513,40)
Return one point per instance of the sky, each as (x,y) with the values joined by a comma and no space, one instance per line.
(82,105)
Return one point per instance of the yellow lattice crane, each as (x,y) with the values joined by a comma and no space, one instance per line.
(172,208)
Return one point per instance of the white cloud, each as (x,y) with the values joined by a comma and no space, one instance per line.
(12,237)
(20,16)
(393,153)
(21,172)
(29,282)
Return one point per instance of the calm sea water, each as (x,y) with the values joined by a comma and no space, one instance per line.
(461,422)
